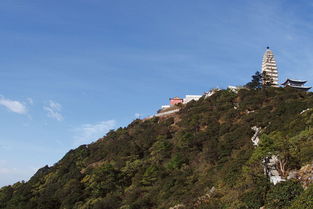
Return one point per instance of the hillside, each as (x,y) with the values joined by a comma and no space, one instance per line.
(201,157)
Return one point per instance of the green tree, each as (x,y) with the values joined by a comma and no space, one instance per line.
(282,194)
(256,81)
(305,200)
(266,80)
(274,145)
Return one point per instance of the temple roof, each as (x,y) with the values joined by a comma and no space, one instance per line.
(175,98)
(300,87)
(294,81)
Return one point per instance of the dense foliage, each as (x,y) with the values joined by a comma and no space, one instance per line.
(201,157)
(256,81)
(260,80)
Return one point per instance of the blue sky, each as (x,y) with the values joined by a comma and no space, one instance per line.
(72,70)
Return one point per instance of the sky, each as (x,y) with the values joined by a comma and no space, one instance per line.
(72,70)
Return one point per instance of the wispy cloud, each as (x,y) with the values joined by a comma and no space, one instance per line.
(54,110)
(13,106)
(91,132)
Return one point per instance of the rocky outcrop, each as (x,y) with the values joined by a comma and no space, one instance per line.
(304,111)
(270,169)
(304,175)
(255,138)
(269,163)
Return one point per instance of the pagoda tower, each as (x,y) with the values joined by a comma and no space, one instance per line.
(269,67)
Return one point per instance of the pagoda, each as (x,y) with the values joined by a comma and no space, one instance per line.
(269,68)
(297,84)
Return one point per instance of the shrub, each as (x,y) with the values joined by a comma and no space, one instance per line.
(282,194)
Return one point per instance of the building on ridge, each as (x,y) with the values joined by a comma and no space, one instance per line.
(189,98)
(176,100)
(297,84)
(269,68)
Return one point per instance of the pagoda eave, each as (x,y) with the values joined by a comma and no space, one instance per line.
(300,82)
(305,88)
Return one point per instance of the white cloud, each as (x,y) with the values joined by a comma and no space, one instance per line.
(13,106)
(53,110)
(91,132)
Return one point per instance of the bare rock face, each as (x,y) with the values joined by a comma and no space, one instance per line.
(292,175)
(306,175)
(269,163)
(255,138)
(271,170)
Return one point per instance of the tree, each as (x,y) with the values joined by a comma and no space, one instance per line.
(274,145)
(305,200)
(256,82)
(282,194)
(266,80)
(260,80)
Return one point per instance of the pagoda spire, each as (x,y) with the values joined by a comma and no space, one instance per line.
(269,67)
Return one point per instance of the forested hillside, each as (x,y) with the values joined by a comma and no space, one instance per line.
(202,157)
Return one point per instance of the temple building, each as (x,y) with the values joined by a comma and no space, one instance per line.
(298,84)
(189,98)
(175,101)
(269,68)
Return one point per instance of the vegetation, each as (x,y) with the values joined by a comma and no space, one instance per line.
(256,81)
(201,157)
(260,80)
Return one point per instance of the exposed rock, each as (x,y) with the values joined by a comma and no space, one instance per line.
(179,206)
(211,92)
(271,170)
(303,111)
(248,111)
(269,163)
(255,138)
(276,179)
(292,175)
(305,175)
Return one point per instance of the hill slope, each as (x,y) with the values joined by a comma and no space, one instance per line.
(201,157)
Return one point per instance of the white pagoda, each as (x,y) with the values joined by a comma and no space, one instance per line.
(269,67)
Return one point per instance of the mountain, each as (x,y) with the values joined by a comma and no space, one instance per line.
(201,157)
